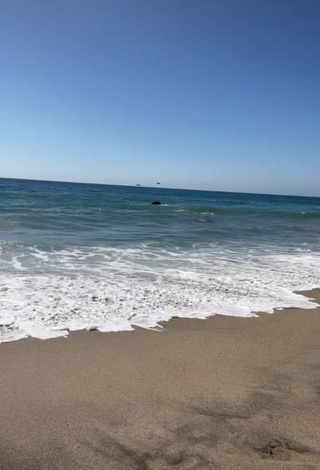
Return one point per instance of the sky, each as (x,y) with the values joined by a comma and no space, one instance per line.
(200,94)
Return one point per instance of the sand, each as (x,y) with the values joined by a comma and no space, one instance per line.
(223,393)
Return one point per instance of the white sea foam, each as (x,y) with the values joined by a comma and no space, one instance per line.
(45,294)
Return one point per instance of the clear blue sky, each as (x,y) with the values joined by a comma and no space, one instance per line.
(208,94)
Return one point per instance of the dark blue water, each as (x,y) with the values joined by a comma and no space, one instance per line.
(48,213)
(206,252)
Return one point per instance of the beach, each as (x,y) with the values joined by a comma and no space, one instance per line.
(160,235)
(226,392)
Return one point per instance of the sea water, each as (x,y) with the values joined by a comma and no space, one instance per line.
(81,256)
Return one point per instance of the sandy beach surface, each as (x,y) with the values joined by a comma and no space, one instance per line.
(222,393)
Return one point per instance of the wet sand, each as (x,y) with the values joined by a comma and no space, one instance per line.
(223,393)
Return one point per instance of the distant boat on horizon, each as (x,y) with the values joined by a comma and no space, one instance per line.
(138,185)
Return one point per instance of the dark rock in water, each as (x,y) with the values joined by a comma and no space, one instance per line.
(156,203)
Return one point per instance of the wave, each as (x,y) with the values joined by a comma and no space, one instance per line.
(47,293)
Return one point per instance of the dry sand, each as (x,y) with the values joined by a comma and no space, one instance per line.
(223,393)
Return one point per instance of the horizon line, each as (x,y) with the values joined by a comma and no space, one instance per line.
(157,186)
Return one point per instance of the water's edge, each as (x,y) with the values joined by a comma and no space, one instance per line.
(313,295)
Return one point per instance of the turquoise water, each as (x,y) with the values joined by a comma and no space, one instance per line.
(76,256)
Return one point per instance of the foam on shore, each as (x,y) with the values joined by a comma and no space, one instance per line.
(45,294)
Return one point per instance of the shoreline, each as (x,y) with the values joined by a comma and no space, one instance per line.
(227,392)
(313,296)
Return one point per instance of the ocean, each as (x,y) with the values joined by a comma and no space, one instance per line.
(82,256)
